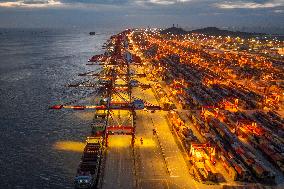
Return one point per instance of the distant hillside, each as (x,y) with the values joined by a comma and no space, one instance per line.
(217,31)
(209,31)
(174,30)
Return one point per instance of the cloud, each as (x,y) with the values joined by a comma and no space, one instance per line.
(98,2)
(221,4)
(86,3)
(249,4)
(160,2)
(64,3)
(31,3)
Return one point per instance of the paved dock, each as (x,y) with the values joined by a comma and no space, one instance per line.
(157,163)
(119,165)
(160,161)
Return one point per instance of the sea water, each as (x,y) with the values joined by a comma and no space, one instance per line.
(35,67)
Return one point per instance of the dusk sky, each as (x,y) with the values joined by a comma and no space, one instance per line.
(135,13)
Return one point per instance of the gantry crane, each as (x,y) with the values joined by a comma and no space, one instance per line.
(115,85)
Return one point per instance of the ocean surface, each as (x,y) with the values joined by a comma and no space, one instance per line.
(35,67)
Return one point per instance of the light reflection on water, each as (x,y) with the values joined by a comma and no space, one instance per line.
(88,116)
(71,146)
(35,66)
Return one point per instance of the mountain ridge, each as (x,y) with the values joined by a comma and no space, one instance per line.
(209,31)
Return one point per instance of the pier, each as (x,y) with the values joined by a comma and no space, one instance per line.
(165,119)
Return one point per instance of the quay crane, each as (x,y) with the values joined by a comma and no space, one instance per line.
(115,86)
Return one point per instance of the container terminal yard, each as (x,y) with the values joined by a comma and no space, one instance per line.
(183,111)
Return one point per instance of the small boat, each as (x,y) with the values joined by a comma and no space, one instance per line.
(92,33)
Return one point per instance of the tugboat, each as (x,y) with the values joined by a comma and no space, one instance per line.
(92,33)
